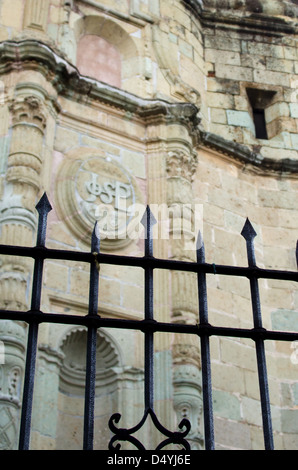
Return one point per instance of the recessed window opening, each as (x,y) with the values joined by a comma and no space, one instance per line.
(260,123)
(259,101)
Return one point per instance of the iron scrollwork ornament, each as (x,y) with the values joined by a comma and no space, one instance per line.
(122,434)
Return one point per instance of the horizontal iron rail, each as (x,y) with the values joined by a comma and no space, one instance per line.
(149,261)
(147,325)
(92,321)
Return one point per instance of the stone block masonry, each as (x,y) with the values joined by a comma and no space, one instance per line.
(177,128)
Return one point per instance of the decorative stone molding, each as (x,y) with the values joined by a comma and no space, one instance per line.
(277,16)
(36,14)
(68,82)
(26,149)
(180,164)
(73,369)
(186,351)
(188,401)
(169,66)
(28,110)
(94,189)
(254,160)
(13,338)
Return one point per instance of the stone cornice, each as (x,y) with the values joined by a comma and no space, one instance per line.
(247,156)
(250,21)
(66,79)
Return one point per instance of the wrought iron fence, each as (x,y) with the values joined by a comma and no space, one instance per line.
(148,325)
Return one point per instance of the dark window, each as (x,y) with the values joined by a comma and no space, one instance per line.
(260,123)
(259,101)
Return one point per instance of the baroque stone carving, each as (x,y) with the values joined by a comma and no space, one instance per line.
(188,401)
(186,350)
(181,164)
(97,189)
(73,369)
(13,337)
(36,14)
(25,155)
(28,110)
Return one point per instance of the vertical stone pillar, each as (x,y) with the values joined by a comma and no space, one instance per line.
(36,14)
(22,184)
(21,188)
(45,404)
(157,190)
(181,165)
(13,339)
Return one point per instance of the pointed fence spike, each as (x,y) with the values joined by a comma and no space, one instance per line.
(148,220)
(148,217)
(200,248)
(248,232)
(43,205)
(200,241)
(95,239)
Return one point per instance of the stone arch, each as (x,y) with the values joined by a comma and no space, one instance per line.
(73,368)
(99,32)
(72,388)
(99,59)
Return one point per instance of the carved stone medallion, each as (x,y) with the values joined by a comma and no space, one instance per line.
(97,189)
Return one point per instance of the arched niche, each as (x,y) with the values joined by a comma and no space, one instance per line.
(72,389)
(99,59)
(103,46)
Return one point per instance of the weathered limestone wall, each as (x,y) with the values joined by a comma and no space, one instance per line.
(175,128)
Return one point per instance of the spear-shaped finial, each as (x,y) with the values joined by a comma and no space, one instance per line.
(95,239)
(43,207)
(200,247)
(249,233)
(148,220)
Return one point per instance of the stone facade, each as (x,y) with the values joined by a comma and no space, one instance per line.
(149,102)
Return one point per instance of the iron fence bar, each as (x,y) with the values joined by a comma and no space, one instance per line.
(142,325)
(148,325)
(147,222)
(43,208)
(249,234)
(205,352)
(91,348)
(155,263)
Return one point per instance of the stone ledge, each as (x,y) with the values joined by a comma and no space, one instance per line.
(69,83)
(247,156)
(251,18)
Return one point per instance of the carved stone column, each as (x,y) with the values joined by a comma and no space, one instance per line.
(36,14)
(22,185)
(181,165)
(13,338)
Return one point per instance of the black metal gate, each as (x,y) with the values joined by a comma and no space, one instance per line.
(92,321)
